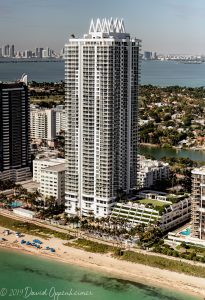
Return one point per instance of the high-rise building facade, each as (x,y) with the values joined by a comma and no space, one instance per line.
(43,125)
(6,50)
(39,52)
(14,131)
(198,203)
(60,118)
(12,51)
(101,82)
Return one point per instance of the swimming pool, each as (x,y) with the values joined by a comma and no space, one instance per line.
(15,204)
(186,232)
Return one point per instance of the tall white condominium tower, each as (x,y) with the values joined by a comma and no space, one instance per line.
(101,77)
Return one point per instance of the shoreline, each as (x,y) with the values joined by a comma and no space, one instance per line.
(172,147)
(110,266)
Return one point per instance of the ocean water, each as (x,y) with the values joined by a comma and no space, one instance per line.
(162,73)
(23,276)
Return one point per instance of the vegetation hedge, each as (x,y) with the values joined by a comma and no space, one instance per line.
(29,228)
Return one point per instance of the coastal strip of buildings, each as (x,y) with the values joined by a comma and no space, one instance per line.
(100,120)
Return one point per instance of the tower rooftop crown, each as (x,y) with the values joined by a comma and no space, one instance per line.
(107,27)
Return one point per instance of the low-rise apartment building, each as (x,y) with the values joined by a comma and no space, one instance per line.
(50,174)
(167,213)
(53,182)
(150,171)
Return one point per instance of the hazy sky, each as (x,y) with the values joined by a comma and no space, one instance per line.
(165,26)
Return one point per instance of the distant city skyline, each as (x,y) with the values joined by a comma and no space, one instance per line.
(10,50)
(165,26)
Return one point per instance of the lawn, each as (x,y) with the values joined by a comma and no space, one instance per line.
(153,202)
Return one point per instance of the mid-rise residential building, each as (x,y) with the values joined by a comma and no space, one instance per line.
(15,157)
(60,119)
(198,203)
(151,171)
(47,123)
(42,163)
(43,125)
(50,174)
(53,182)
(101,102)
(166,211)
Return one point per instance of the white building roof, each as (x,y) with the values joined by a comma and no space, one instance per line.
(24,211)
(199,171)
(56,168)
(51,160)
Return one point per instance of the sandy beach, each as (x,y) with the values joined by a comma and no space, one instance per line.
(108,265)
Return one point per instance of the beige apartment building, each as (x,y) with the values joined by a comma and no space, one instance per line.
(198,203)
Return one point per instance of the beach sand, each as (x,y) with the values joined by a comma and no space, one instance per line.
(108,265)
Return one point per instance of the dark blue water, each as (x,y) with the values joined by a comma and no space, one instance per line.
(162,73)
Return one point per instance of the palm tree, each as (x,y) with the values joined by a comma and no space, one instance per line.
(91,215)
(49,201)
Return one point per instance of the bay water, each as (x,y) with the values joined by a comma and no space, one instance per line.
(23,276)
(158,153)
(162,73)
